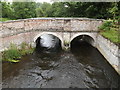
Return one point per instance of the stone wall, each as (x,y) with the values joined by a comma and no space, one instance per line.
(17,31)
(110,51)
(31,37)
(49,24)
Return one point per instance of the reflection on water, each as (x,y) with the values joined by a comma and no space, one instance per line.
(82,67)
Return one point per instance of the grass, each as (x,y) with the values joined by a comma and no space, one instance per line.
(109,29)
(4,19)
(13,54)
(26,49)
(112,35)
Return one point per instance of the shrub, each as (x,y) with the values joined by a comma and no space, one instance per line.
(26,48)
(11,54)
(106,25)
(109,29)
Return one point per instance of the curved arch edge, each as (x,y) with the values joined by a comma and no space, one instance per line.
(87,34)
(52,33)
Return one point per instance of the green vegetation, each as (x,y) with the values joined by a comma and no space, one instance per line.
(22,10)
(4,19)
(109,29)
(26,49)
(111,35)
(13,54)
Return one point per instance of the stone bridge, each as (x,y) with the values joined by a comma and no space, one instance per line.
(66,29)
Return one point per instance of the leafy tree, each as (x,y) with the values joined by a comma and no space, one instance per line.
(0,9)
(58,9)
(38,5)
(7,11)
(21,10)
(46,7)
(39,12)
(24,10)
(114,10)
(84,9)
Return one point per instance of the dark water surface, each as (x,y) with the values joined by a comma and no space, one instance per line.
(82,67)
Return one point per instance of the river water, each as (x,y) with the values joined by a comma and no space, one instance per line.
(81,67)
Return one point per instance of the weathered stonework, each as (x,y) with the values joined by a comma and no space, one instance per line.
(110,51)
(50,24)
(66,29)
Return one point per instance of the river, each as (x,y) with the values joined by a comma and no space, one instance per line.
(81,67)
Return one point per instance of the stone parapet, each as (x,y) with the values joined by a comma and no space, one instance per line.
(49,24)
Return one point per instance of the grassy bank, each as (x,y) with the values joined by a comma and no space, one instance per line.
(13,54)
(4,19)
(110,30)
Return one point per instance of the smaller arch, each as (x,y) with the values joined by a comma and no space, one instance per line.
(87,37)
(51,33)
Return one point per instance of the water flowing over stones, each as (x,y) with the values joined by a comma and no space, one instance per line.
(82,67)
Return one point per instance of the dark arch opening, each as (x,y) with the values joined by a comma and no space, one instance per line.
(81,41)
(48,43)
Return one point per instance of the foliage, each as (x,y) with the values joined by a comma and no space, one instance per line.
(111,35)
(58,10)
(44,10)
(39,12)
(99,10)
(13,54)
(4,19)
(7,11)
(106,25)
(109,29)
(26,48)
(114,10)
(21,10)
(24,10)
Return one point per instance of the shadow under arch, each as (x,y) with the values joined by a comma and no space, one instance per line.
(82,38)
(50,33)
(51,40)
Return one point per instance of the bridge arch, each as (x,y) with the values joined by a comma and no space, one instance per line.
(59,36)
(88,37)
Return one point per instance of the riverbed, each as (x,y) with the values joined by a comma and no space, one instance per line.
(81,67)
